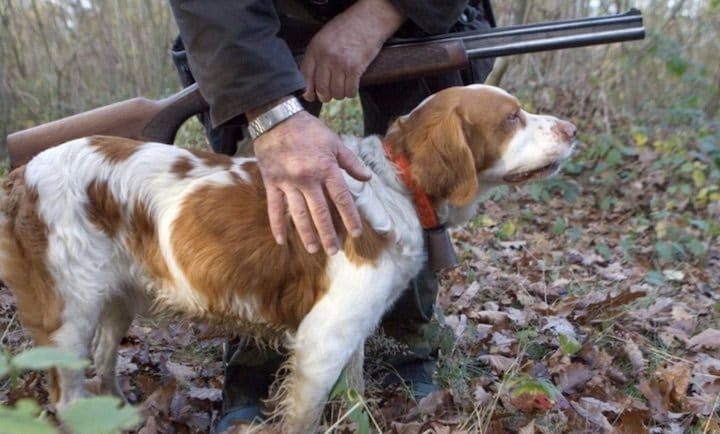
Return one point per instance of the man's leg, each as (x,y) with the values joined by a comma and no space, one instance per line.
(409,320)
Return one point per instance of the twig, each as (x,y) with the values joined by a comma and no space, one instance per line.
(707,424)
(343,417)
(7,329)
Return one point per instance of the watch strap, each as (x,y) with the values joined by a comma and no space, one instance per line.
(266,121)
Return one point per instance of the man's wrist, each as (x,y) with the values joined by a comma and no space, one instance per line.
(264,118)
(386,15)
(254,112)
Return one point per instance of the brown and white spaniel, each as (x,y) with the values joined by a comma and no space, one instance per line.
(101,229)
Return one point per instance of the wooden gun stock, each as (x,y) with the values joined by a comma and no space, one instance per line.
(159,120)
(137,118)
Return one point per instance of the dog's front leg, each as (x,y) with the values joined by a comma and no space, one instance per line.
(326,340)
(354,370)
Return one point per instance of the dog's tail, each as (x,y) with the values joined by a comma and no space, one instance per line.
(9,204)
(23,266)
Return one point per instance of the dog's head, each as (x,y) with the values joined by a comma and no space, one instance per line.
(463,139)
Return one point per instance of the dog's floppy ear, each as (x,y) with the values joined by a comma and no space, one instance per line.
(441,161)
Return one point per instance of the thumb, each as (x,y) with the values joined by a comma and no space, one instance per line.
(352,164)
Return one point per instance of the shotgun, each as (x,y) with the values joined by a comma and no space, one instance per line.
(401,59)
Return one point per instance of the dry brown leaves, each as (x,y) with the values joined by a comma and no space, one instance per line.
(557,328)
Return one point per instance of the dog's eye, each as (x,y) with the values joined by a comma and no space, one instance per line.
(513,117)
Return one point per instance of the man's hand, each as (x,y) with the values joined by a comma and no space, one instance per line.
(341,51)
(300,161)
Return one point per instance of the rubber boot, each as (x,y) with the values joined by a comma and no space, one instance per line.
(408,323)
(249,372)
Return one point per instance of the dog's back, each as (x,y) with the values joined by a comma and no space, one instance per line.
(80,238)
(94,231)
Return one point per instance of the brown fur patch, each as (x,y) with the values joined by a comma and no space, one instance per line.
(367,248)
(182,166)
(23,262)
(452,137)
(144,243)
(102,209)
(223,243)
(114,149)
(212,159)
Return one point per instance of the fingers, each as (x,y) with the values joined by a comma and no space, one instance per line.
(311,215)
(322,83)
(352,84)
(307,68)
(337,85)
(344,202)
(352,164)
(300,161)
(322,218)
(276,213)
(301,218)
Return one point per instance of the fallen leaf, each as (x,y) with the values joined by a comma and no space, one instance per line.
(709,338)
(481,396)
(502,342)
(606,303)
(458,324)
(635,355)
(464,301)
(205,393)
(683,320)
(434,402)
(706,374)
(529,394)
(569,345)
(182,373)
(632,422)
(657,403)
(528,429)
(406,428)
(675,380)
(489,317)
(158,403)
(437,428)
(571,376)
(595,404)
(703,404)
(593,415)
(150,427)
(613,272)
(532,401)
(559,325)
(499,363)
(674,275)
(519,317)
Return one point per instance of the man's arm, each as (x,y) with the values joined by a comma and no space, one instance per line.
(236,58)
(242,67)
(432,16)
(341,51)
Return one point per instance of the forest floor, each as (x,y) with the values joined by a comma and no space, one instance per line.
(586,303)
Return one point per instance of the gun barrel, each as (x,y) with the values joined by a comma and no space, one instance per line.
(554,43)
(556,35)
(400,59)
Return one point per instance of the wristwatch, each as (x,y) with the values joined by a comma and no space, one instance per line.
(266,121)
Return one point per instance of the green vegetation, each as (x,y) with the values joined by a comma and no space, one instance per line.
(96,415)
(592,297)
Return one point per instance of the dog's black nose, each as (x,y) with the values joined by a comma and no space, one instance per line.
(566,130)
